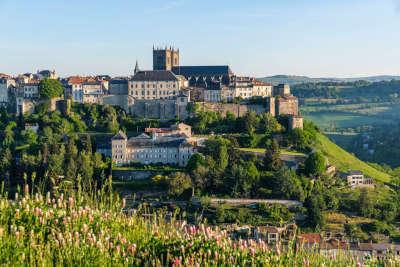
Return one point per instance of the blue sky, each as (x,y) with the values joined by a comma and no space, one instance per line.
(342,38)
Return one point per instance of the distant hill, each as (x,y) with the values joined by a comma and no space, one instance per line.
(293,79)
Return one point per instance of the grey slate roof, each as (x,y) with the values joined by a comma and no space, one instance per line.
(154,75)
(202,70)
(119,136)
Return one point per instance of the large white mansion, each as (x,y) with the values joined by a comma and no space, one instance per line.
(164,145)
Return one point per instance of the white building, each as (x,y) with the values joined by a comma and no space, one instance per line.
(156,84)
(145,149)
(357,179)
(261,88)
(30,89)
(93,92)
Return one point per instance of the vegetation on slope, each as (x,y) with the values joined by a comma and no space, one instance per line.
(75,231)
(345,161)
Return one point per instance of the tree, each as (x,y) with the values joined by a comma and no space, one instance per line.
(50,88)
(315,164)
(178,182)
(314,212)
(269,125)
(8,135)
(272,161)
(365,204)
(218,149)
(195,161)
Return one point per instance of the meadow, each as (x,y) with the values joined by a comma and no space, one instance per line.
(76,230)
(333,117)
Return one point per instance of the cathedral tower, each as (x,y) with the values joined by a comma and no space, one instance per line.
(165,59)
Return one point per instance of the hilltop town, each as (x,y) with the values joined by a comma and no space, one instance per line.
(201,142)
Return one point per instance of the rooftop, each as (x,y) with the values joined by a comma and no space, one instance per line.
(154,75)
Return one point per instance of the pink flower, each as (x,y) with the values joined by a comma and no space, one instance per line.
(176,262)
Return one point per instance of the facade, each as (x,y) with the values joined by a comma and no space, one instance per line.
(75,88)
(261,89)
(118,86)
(6,84)
(156,84)
(93,92)
(171,149)
(165,59)
(30,90)
(243,87)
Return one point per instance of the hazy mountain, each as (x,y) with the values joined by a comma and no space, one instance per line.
(293,79)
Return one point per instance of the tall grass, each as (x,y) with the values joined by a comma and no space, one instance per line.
(91,230)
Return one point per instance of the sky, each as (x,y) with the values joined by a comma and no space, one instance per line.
(341,38)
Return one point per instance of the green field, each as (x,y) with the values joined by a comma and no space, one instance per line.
(262,150)
(334,117)
(345,161)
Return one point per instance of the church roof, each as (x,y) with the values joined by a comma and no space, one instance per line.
(154,75)
(202,70)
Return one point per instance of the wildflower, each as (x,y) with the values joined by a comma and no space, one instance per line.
(71,202)
(123,203)
(26,190)
(176,262)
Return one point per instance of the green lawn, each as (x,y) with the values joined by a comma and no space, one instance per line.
(345,161)
(262,150)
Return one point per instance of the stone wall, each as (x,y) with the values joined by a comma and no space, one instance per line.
(237,110)
(164,109)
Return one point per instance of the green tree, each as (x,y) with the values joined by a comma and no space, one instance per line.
(272,161)
(365,203)
(195,161)
(315,164)
(315,217)
(178,182)
(50,88)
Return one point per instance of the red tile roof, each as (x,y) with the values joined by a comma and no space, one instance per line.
(310,238)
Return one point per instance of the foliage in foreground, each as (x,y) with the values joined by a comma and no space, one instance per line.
(45,230)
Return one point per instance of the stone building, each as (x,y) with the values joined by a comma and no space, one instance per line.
(165,59)
(281,90)
(295,122)
(118,86)
(261,88)
(171,149)
(156,84)
(6,84)
(175,129)
(287,105)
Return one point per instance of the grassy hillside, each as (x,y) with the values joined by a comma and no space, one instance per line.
(345,161)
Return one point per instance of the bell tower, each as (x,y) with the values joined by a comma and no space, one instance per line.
(165,58)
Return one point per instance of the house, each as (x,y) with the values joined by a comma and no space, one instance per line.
(176,129)
(308,240)
(270,234)
(93,91)
(356,178)
(172,149)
